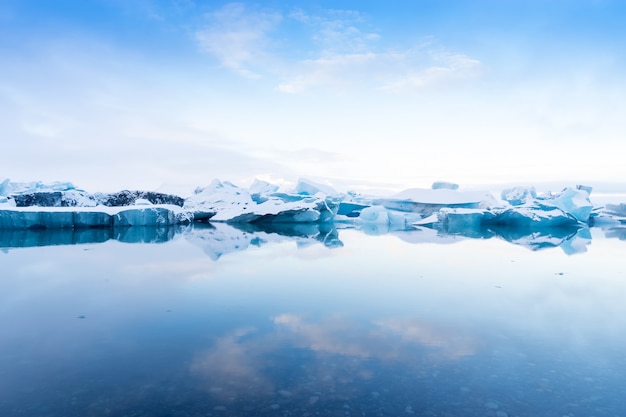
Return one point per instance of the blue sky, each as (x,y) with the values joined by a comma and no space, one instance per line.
(114,94)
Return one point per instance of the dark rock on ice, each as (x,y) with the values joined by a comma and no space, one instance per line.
(72,198)
(129,198)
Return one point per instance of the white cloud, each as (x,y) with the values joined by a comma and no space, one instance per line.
(328,71)
(337,31)
(388,71)
(340,53)
(238,37)
(445,67)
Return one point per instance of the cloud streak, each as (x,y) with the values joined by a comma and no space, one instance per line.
(238,37)
(339,53)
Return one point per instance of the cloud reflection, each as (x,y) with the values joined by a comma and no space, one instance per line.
(332,350)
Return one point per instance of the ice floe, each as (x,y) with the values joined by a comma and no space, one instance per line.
(520,215)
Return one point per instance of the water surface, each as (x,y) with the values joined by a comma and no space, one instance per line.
(224,322)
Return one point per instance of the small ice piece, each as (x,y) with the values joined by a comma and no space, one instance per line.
(375,215)
(392,220)
(617,210)
(517,196)
(36,186)
(439,185)
(142,202)
(441,196)
(461,219)
(5,188)
(575,202)
(309,187)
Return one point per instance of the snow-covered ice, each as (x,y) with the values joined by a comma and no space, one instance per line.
(312,209)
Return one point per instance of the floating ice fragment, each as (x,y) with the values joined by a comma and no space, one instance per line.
(438,185)
(575,202)
(309,187)
(517,196)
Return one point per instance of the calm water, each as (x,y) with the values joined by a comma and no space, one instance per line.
(224,322)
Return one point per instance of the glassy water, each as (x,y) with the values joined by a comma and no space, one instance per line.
(223,322)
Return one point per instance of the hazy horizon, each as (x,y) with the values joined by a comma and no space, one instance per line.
(111,95)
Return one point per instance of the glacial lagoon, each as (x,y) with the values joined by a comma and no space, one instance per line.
(220,321)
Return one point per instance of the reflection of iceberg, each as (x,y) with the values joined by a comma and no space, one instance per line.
(219,238)
(23,238)
(304,233)
(571,239)
(616,233)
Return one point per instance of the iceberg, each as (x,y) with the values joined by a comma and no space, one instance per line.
(386,219)
(517,196)
(226,202)
(309,212)
(438,185)
(90,217)
(429,201)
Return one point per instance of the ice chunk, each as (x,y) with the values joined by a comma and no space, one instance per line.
(426,202)
(14,219)
(374,214)
(350,209)
(5,189)
(535,215)
(455,220)
(443,196)
(616,210)
(233,204)
(517,196)
(394,220)
(574,202)
(262,187)
(153,216)
(34,186)
(308,187)
(439,185)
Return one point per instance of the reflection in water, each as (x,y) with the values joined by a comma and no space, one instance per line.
(217,239)
(334,351)
(385,326)
(23,238)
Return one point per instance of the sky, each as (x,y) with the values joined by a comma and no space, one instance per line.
(151,94)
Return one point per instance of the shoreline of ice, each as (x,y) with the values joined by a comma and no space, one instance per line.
(444,207)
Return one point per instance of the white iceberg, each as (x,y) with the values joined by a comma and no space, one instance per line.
(229,203)
(517,196)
